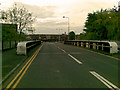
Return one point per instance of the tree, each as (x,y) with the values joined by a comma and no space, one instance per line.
(9,33)
(3,15)
(102,25)
(72,36)
(18,15)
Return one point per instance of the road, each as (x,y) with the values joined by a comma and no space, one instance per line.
(56,65)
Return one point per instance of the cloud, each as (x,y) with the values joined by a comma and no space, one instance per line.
(49,14)
(51,27)
(56,27)
(51,23)
(40,11)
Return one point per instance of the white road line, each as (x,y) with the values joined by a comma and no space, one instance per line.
(75,59)
(58,47)
(101,80)
(107,81)
(62,49)
(71,56)
(104,81)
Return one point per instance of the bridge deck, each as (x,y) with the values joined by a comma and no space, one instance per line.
(62,66)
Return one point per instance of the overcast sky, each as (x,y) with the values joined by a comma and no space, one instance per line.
(50,12)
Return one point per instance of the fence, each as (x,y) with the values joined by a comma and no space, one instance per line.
(9,44)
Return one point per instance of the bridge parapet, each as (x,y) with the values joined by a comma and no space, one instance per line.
(108,46)
(23,47)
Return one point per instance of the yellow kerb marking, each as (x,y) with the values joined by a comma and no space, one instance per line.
(30,60)
(98,53)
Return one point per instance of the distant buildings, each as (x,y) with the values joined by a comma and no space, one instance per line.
(55,37)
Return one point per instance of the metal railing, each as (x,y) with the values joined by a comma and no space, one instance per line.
(107,46)
(9,44)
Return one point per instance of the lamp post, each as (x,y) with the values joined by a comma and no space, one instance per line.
(68,25)
(119,6)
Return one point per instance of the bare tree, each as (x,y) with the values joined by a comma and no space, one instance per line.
(20,16)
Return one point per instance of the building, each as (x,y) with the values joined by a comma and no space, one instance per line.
(44,37)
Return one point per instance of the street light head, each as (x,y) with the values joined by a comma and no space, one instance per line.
(63,16)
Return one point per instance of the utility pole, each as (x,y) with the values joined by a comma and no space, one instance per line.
(119,6)
(68,25)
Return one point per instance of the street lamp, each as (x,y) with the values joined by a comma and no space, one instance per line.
(68,25)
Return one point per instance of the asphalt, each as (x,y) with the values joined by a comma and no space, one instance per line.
(54,68)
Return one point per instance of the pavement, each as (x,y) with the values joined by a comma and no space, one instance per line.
(55,65)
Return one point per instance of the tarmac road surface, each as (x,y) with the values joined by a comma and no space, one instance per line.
(55,65)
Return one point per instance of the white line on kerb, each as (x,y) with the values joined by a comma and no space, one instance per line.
(75,59)
(104,81)
(9,73)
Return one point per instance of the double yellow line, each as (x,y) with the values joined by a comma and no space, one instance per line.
(21,73)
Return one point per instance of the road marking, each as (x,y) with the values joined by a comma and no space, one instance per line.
(75,59)
(62,49)
(97,53)
(104,81)
(9,73)
(58,47)
(19,73)
(71,56)
(28,63)
(14,86)
(104,55)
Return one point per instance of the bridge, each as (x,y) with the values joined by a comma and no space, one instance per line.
(58,65)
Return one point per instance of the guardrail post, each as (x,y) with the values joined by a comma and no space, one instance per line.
(102,47)
(74,43)
(78,44)
(81,44)
(94,45)
(97,46)
(87,46)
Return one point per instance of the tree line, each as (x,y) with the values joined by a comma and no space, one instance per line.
(102,25)
(16,15)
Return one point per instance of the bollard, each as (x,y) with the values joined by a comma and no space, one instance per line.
(87,45)
(78,44)
(81,44)
(94,45)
